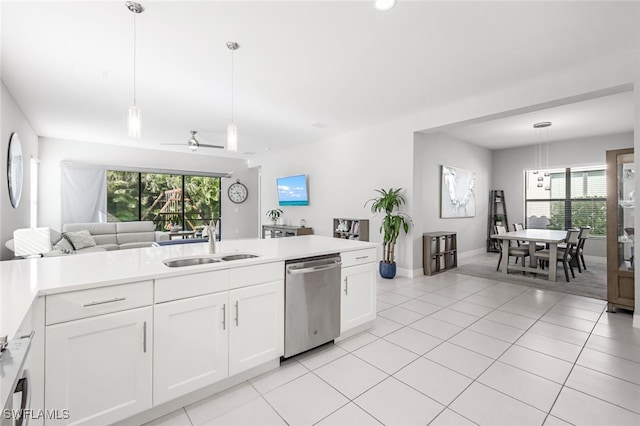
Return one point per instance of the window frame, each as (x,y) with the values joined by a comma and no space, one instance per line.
(183,177)
(568,199)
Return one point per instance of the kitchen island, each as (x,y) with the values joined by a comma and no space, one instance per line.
(133,306)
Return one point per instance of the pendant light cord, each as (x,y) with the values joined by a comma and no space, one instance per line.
(232,105)
(134,59)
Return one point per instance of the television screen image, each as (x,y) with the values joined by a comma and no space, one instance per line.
(292,191)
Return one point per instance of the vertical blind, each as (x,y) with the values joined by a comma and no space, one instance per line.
(566,198)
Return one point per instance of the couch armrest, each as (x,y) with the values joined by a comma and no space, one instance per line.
(162,236)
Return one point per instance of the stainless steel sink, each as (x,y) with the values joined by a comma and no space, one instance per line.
(190,261)
(238,256)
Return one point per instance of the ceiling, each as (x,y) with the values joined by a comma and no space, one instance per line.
(598,116)
(305,70)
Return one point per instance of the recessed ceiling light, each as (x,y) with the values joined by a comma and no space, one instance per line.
(542,125)
(384,5)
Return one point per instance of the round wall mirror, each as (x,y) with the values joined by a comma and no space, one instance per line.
(15,170)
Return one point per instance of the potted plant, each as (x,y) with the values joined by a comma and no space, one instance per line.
(389,203)
(274,215)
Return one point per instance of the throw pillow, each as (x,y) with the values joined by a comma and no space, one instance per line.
(80,239)
(64,246)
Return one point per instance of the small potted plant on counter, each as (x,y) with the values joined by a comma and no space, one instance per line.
(389,203)
(274,215)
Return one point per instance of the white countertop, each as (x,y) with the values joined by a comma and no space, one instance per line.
(22,281)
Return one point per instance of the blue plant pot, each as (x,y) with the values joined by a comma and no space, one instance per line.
(387,270)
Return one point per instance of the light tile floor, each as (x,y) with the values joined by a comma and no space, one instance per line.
(452,350)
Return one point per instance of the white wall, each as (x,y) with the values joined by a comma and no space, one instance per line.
(53,151)
(241,220)
(431,151)
(342,174)
(511,163)
(382,155)
(13,120)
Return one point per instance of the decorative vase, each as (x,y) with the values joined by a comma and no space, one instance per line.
(387,270)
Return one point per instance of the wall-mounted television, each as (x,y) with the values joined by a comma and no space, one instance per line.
(292,191)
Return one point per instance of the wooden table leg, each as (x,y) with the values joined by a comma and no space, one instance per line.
(532,255)
(505,257)
(553,261)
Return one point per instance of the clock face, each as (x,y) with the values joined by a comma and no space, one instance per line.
(237,192)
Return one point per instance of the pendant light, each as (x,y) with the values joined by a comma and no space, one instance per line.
(232,130)
(546,174)
(134,123)
(384,5)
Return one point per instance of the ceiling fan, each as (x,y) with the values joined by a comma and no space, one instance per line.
(194,143)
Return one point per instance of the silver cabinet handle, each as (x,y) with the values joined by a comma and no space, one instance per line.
(224,316)
(102,302)
(144,338)
(346,286)
(237,315)
(362,257)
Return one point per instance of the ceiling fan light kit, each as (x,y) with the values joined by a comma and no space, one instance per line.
(134,122)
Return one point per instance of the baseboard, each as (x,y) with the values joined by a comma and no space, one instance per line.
(170,406)
(408,273)
(636,320)
(354,331)
(470,253)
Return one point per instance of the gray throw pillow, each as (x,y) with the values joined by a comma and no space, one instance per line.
(64,246)
(80,239)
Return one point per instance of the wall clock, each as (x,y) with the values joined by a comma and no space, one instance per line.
(237,192)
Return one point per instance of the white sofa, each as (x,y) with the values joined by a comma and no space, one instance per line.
(118,235)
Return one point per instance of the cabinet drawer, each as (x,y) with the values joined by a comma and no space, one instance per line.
(184,286)
(358,257)
(256,274)
(97,301)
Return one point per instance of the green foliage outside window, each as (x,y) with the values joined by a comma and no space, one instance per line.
(158,197)
(584,212)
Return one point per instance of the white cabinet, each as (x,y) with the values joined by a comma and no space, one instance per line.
(190,345)
(204,339)
(100,368)
(257,325)
(358,300)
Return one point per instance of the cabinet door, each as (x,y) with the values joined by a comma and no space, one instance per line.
(358,303)
(100,368)
(190,345)
(256,316)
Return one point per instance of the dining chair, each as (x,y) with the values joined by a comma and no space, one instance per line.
(562,255)
(579,249)
(517,252)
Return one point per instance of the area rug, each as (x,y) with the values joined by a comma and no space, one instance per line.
(589,283)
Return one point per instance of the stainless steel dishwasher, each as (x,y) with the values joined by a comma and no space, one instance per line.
(312,303)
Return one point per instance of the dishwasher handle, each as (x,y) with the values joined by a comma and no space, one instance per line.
(294,271)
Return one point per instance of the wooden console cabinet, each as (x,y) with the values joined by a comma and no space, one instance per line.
(279,231)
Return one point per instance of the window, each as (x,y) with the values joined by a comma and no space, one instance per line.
(167,199)
(566,198)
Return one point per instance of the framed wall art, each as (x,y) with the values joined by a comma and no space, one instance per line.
(458,197)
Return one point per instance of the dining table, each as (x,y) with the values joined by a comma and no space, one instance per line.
(550,237)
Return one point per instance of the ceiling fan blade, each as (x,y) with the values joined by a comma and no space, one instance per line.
(211,146)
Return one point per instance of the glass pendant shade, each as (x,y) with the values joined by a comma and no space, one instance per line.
(384,5)
(135,122)
(232,138)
